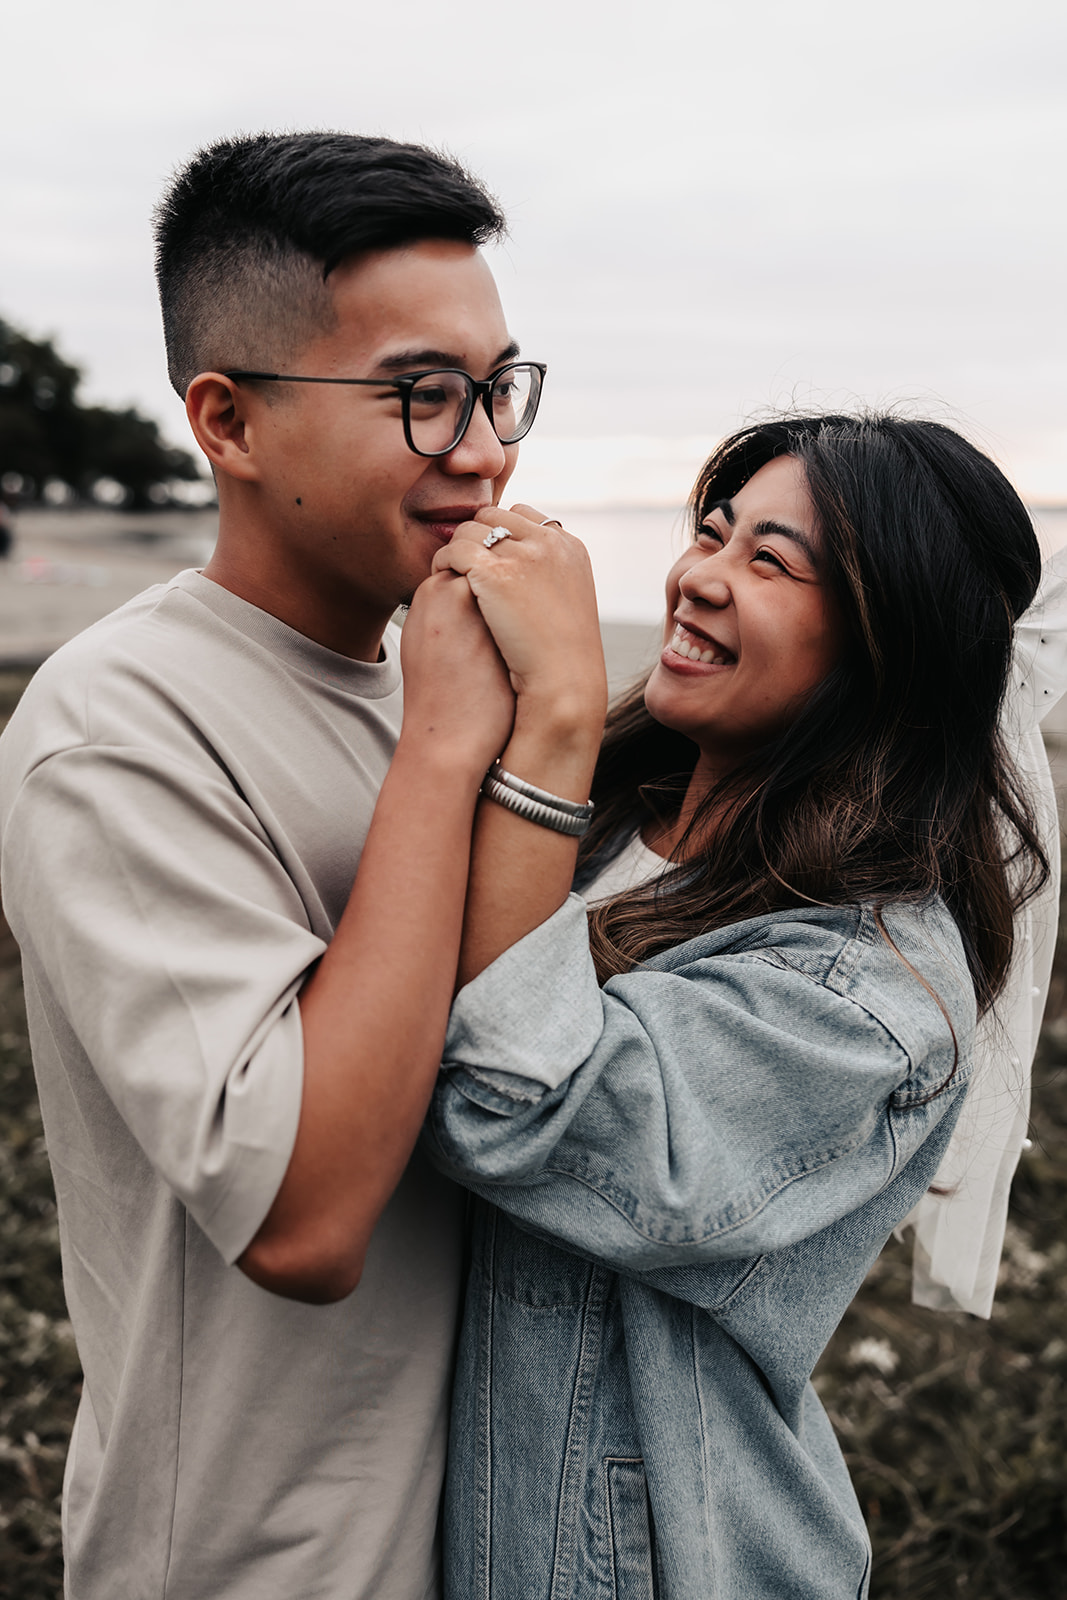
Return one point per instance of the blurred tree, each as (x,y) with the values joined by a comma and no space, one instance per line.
(46,434)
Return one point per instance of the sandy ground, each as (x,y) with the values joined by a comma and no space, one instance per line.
(69,569)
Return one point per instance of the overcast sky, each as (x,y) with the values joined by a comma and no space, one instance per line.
(714,208)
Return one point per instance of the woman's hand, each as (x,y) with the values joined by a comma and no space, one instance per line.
(535,591)
(456,691)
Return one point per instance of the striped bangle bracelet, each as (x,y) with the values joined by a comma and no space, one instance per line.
(536,805)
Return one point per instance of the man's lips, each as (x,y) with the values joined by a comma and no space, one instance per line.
(442,521)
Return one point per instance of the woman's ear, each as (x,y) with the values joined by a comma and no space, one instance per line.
(215,406)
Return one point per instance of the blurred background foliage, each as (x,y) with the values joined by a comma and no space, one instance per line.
(955,1429)
(54,448)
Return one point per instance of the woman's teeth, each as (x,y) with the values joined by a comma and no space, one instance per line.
(694,649)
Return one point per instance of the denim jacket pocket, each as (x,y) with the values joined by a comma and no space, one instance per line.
(630,1529)
(533,1273)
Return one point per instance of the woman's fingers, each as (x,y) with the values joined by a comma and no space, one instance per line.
(491,526)
(473,540)
(531,514)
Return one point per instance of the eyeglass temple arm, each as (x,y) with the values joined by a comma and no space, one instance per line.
(289,377)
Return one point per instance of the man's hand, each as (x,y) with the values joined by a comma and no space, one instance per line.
(456,686)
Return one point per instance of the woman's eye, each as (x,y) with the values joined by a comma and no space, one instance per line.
(708,533)
(770,558)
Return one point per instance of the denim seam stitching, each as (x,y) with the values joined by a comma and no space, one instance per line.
(608,1462)
(577,1445)
(711,1232)
(484,1484)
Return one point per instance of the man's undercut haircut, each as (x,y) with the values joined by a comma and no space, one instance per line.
(251,228)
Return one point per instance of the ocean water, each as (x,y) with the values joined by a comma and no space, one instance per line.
(632,548)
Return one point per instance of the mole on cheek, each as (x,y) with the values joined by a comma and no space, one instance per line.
(299,501)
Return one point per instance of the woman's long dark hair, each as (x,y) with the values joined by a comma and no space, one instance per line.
(892,783)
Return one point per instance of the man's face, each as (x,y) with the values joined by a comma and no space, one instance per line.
(353,515)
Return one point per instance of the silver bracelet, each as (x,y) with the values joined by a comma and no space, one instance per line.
(570,808)
(533,810)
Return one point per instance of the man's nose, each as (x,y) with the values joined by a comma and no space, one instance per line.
(479,452)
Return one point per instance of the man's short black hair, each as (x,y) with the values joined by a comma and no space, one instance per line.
(250,229)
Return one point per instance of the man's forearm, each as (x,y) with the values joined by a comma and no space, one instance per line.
(374,1014)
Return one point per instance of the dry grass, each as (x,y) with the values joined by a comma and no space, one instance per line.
(955,1429)
(40,1379)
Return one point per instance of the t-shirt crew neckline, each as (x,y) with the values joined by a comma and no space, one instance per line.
(371,680)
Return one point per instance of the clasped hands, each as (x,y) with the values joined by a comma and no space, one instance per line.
(518,638)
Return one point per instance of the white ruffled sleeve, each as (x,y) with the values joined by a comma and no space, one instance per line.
(959,1235)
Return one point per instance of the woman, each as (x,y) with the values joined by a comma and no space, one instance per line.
(698,1120)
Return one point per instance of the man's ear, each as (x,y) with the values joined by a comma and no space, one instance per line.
(215,406)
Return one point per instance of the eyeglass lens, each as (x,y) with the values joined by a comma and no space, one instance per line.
(440,406)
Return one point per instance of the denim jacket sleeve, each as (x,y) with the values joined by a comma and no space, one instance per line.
(731,1097)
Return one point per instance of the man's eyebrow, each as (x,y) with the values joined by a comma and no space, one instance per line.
(415,360)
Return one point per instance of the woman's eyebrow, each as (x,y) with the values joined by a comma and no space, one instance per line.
(725,506)
(761,529)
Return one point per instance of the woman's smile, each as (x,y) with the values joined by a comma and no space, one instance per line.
(687,649)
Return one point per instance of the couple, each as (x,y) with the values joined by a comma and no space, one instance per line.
(692,1115)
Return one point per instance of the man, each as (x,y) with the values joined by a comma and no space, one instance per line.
(235,1053)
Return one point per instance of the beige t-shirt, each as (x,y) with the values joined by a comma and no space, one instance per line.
(184,794)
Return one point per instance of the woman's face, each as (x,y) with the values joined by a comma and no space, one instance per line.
(752,627)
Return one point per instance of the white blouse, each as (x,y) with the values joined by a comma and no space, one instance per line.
(635,864)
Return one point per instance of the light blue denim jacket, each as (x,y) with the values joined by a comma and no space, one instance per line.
(690,1172)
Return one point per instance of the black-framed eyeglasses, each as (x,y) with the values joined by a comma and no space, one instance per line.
(437,405)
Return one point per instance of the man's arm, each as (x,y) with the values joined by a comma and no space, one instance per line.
(374,1010)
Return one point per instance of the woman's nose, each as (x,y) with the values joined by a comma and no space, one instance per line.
(705,582)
